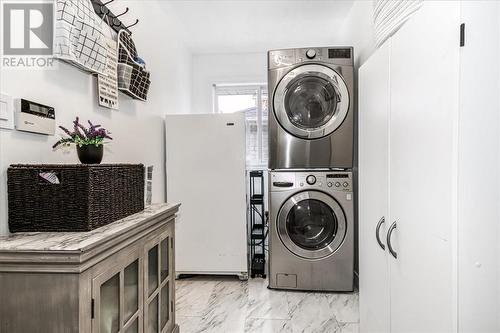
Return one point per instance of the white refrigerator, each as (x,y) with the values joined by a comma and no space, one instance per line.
(205,165)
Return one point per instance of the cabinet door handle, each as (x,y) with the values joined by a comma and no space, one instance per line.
(389,234)
(377,232)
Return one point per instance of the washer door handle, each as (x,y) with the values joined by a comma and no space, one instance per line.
(377,232)
(389,244)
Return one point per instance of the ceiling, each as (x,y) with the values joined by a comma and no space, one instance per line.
(235,26)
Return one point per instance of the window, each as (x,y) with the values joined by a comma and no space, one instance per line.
(251,99)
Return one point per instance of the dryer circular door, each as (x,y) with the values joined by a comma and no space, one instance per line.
(311,224)
(311,101)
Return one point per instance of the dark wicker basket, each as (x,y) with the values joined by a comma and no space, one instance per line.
(87,196)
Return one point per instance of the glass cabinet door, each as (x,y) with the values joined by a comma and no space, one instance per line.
(133,327)
(109,309)
(164,305)
(158,297)
(152,270)
(131,291)
(117,296)
(164,258)
(165,281)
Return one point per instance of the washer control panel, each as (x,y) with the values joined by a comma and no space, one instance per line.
(324,180)
(335,181)
(340,181)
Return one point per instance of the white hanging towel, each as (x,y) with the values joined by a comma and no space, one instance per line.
(390,15)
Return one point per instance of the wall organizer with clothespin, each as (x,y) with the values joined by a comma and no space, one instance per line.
(80,40)
(78,37)
(133,78)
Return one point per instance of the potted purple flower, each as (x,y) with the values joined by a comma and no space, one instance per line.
(89,141)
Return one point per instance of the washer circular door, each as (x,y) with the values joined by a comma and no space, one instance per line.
(311,101)
(311,224)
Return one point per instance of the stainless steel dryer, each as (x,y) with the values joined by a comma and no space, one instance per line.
(311,123)
(311,245)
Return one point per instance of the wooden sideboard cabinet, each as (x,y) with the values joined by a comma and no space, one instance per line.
(118,278)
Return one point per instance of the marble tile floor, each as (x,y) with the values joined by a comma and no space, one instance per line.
(228,305)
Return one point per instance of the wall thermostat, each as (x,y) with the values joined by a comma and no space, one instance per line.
(34,117)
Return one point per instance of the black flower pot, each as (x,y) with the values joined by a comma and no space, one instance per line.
(90,154)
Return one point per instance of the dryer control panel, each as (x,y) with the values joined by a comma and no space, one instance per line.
(339,56)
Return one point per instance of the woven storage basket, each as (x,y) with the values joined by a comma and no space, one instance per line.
(83,197)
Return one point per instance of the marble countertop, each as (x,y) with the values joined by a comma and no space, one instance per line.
(82,241)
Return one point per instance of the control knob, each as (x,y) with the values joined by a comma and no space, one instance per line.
(310,54)
(311,180)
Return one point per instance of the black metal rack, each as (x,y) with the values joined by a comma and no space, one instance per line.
(258,224)
(101,9)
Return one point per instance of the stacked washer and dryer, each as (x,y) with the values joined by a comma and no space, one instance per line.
(311,145)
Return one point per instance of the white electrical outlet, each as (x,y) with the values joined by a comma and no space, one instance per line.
(6,111)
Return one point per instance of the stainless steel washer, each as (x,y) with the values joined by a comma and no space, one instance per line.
(311,120)
(311,245)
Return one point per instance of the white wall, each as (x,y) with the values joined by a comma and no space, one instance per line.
(208,68)
(137,127)
(357,31)
(221,26)
(498,225)
(223,68)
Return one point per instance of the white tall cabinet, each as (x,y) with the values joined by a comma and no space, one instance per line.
(374,88)
(419,138)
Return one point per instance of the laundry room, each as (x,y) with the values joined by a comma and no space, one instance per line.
(249,166)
